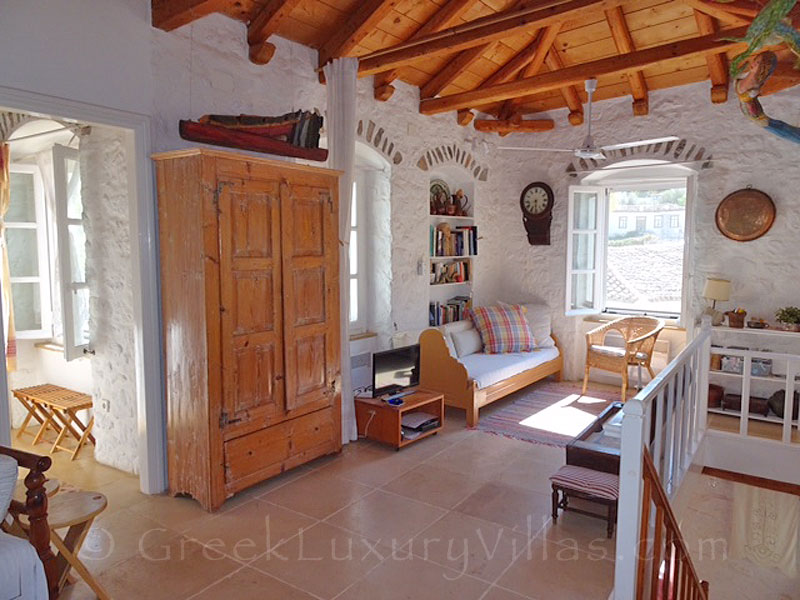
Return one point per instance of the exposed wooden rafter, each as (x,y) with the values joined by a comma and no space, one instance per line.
(358,26)
(464,117)
(719,11)
(576,74)
(514,125)
(568,92)
(263,25)
(171,14)
(624,43)
(480,32)
(446,16)
(717,64)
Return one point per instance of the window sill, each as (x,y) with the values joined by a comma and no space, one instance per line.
(362,336)
(671,324)
(50,346)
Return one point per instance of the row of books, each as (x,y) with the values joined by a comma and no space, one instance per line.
(450,272)
(454,309)
(459,241)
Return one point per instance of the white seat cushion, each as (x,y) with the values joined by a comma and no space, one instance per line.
(8,480)
(615,351)
(539,320)
(488,369)
(467,342)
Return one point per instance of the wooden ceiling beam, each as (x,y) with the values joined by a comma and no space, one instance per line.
(358,26)
(171,14)
(443,18)
(568,92)
(518,62)
(718,11)
(624,43)
(717,63)
(547,39)
(481,32)
(576,74)
(514,125)
(266,22)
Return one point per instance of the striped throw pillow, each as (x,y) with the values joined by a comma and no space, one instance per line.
(502,330)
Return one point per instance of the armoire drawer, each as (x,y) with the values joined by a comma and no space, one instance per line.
(256,456)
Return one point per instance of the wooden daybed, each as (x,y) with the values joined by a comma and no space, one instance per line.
(442,372)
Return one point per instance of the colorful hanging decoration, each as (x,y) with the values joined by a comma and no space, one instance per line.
(748,87)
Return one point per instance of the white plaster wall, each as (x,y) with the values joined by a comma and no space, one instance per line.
(109,272)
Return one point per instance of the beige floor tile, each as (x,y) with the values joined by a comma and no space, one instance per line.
(122,493)
(176,570)
(318,494)
(532,470)
(520,509)
(433,484)
(175,513)
(324,560)
(481,455)
(553,571)
(250,584)
(373,466)
(471,546)
(119,535)
(405,579)
(498,593)
(249,530)
(586,533)
(386,517)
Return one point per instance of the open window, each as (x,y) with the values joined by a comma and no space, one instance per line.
(358,255)
(72,250)
(626,250)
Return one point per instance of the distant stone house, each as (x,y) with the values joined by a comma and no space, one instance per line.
(665,221)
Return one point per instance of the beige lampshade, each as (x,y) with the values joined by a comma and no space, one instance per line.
(717,289)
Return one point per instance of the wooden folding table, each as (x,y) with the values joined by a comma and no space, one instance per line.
(56,407)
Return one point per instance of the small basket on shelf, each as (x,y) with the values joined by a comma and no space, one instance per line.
(736,318)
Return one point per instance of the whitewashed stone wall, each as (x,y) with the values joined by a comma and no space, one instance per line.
(109,272)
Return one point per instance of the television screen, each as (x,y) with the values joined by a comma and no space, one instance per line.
(395,369)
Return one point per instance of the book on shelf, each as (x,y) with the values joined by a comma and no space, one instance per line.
(453,241)
(454,309)
(457,271)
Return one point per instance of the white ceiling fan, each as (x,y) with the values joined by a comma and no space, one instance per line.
(589,150)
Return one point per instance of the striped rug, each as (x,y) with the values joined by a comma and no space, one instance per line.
(547,412)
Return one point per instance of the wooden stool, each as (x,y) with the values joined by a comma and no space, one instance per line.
(75,510)
(594,486)
(56,407)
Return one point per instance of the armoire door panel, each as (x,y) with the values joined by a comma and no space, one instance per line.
(251,306)
(310,255)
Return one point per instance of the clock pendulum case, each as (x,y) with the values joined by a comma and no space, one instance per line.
(536,202)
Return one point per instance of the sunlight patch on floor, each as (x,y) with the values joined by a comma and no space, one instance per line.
(566,417)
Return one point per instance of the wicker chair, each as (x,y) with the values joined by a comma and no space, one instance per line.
(640,335)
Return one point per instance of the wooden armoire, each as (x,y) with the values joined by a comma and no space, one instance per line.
(250,295)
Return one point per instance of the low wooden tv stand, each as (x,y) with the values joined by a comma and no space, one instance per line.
(381,422)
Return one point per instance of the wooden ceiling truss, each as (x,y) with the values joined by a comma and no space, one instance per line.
(507,59)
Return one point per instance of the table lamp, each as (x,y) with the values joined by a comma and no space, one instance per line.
(716,289)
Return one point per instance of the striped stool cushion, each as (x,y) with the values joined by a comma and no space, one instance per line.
(593,483)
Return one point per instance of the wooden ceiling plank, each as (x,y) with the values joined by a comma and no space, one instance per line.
(446,16)
(624,42)
(480,32)
(548,39)
(266,22)
(358,26)
(576,74)
(717,10)
(171,14)
(569,92)
(452,70)
(518,62)
(717,64)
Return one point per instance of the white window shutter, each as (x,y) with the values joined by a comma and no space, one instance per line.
(71,250)
(586,250)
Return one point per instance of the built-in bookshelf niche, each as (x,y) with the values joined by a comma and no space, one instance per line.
(452,244)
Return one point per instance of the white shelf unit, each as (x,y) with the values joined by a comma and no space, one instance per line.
(744,341)
(456,178)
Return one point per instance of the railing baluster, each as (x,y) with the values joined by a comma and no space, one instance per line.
(659,432)
(669,438)
(656,553)
(788,402)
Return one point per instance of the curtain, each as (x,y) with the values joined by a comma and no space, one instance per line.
(341,75)
(9,332)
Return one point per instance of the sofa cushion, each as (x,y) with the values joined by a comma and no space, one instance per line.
(502,329)
(488,369)
(587,481)
(615,351)
(539,321)
(467,342)
(8,480)
(21,570)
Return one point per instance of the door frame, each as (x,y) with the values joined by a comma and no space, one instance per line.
(151,430)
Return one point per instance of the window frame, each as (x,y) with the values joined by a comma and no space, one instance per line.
(658,221)
(43,247)
(359,325)
(599,283)
(674,219)
(623,222)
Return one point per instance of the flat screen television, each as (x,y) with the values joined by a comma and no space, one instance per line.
(393,370)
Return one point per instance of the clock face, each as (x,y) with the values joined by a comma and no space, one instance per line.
(535,199)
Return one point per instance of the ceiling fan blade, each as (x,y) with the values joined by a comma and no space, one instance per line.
(532,149)
(623,145)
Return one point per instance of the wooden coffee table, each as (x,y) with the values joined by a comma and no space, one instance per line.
(593,449)
(381,422)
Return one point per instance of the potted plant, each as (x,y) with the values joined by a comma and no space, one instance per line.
(789,318)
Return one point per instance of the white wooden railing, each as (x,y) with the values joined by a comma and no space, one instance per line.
(668,417)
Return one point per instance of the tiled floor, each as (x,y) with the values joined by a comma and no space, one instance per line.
(461,515)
